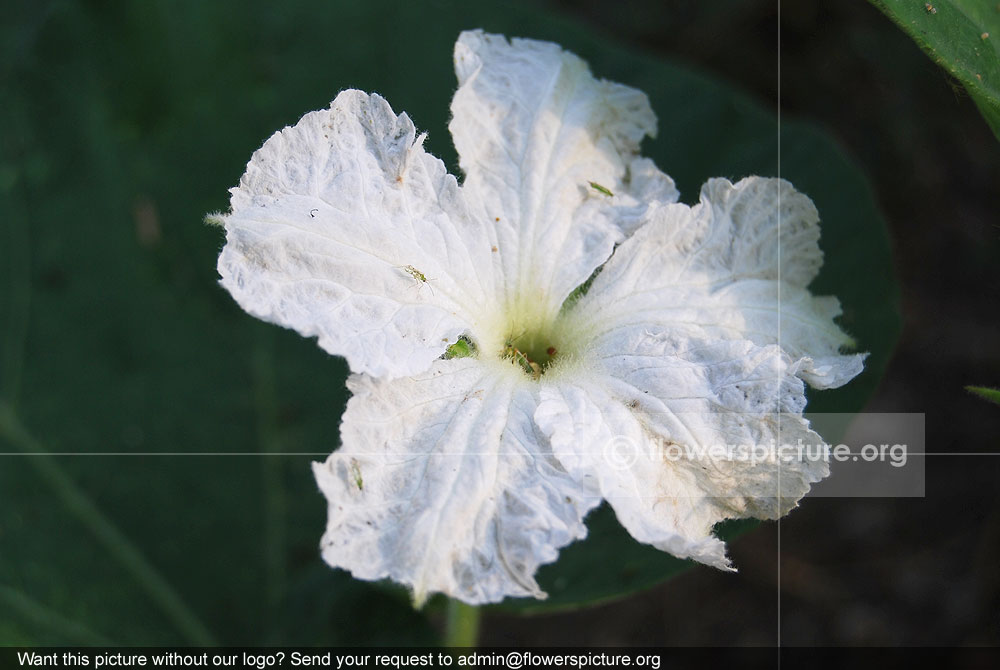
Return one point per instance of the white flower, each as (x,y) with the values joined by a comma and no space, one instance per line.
(463,475)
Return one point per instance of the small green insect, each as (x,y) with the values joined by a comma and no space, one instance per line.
(521,359)
(356,474)
(417,275)
(601,189)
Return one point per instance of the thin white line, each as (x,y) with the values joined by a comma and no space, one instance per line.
(929,453)
(164,453)
(779,325)
(401,453)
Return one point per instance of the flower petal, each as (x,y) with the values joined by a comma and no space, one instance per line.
(344,228)
(444,483)
(721,269)
(681,434)
(533,129)
(647,188)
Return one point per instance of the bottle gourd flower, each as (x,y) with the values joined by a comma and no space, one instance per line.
(547,334)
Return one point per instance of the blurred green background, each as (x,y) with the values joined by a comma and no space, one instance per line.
(124,123)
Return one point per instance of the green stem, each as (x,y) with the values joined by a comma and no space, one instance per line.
(461,626)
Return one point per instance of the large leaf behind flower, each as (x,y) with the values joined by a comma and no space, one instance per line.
(121,129)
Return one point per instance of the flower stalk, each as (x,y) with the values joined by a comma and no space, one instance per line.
(461,625)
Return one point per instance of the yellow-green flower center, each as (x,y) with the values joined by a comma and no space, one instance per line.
(532,351)
(527,338)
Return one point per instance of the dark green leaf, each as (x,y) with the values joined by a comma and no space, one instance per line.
(993,395)
(963,37)
(124,124)
(607,565)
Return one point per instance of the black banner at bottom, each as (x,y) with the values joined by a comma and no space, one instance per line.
(343,658)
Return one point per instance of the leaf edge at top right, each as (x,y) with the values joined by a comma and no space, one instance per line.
(963,38)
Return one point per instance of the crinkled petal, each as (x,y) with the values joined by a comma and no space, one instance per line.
(681,434)
(533,129)
(646,189)
(719,270)
(344,228)
(445,484)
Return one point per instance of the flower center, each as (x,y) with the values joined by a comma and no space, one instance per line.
(528,337)
(532,351)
